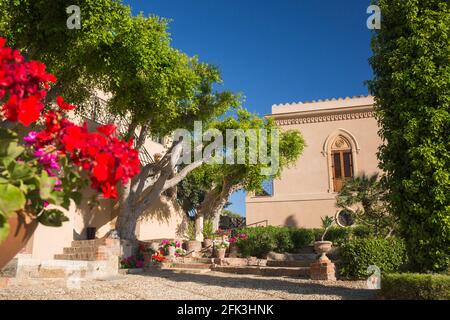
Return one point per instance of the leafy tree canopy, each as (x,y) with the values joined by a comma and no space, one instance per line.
(411,63)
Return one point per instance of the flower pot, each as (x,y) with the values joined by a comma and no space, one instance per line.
(147,258)
(21,227)
(193,245)
(171,251)
(207,243)
(234,250)
(220,253)
(321,248)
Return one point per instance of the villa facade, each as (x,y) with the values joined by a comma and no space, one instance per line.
(342,140)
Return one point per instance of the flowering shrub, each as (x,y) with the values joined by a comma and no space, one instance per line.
(23,85)
(238,238)
(221,244)
(223,234)
(168,243)
(131,263)
(50,166)
(180,252)
(158,257)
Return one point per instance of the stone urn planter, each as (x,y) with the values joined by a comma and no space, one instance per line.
(21,227)
(193,245)
(322,248)
(220,253)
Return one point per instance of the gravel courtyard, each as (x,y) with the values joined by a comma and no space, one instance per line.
(166,285)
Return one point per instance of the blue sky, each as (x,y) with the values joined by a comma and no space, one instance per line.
(274,51)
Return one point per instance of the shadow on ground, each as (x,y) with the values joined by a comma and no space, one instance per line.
(282,284)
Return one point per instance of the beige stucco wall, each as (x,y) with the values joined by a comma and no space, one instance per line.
(164,220)
(302,195)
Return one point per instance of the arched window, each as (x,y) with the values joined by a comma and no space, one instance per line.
(341,162)
(341,149)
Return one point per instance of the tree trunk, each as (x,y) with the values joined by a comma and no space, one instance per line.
(128,216)
(199,227)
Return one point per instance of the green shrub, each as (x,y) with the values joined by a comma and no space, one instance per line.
(302,237)
(260,242)
(283,240)
(414,286)
(357,255)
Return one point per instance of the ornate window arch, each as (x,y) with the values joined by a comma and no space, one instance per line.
(341,149)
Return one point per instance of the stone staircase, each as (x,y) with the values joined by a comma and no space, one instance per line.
(297,266)
(188,265)
(83,259)
(86,250)
(293,266)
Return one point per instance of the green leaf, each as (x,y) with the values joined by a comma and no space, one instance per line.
(19,171)
(46,185)
(4,228)
(11,149)
(6,134)
(11,198)
(52,218)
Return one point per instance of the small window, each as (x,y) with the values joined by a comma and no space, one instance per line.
(342,162)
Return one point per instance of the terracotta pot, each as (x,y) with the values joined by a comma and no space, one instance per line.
(220,253)
(21,227)
(193,245)
(207,243)
(234,250)
(322,247)
(147,258)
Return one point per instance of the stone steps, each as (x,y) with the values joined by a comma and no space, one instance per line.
(302,272)
(289,264)
(65,269)
(196,266)
(88,243)
(87,250)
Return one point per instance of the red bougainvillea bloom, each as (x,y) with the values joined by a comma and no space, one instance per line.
(107,159)
(23,84)
(63,105)
(107,130)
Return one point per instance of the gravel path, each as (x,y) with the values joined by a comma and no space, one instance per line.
(185,286)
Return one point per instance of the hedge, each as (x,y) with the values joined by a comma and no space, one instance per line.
(357,255)
(262,240)
(413,286)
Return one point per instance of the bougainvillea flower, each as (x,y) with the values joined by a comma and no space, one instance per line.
(63,105)
(107,159)
(107,130)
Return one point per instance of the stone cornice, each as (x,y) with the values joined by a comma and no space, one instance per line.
(337,114)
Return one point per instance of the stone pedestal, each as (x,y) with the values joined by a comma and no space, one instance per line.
(323,269)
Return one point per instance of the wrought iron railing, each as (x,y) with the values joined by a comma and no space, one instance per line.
(97,112)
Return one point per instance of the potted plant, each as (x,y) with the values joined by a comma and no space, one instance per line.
(234,249)
(192,245)
(220,247)
(170,247)
(208,234)
(146,252)
(38,174)
(322,247)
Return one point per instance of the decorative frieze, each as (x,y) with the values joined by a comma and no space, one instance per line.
(324,118)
